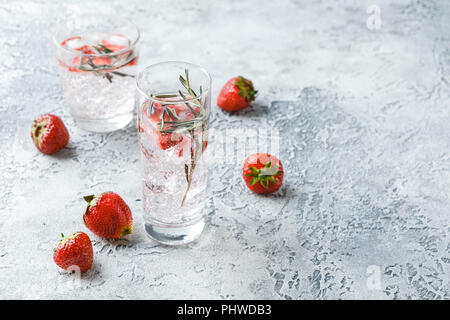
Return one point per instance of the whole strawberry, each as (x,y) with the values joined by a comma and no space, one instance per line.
(238,93)
(263,173)
(49,133)
(74,251)
(108,216)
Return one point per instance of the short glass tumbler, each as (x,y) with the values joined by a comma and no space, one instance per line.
(173,103)
(97,60)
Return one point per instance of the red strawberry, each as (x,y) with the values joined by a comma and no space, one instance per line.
(167,140)
(133,62)
(64,43)
(263,173)
(49,133)
(111,46)
(108,216)
(74,251)
(238,93)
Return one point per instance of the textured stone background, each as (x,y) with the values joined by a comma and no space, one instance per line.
(364,137)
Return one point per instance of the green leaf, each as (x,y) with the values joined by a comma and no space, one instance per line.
(89,198)
(254,180)
(272,179)
(251,175)
(268,164)
(254,170)
(264,183)
(246,89)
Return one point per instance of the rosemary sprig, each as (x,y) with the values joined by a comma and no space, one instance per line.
(163,96)
(186,171)
(190,108)
(122,74)
(170,123)
(105,49)
(161,126)
(190,171)
(195,151)
(186,84)
(108,76)
(172,113)
(89,66)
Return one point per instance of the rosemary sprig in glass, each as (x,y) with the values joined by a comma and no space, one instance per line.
(174,125)
(86,63)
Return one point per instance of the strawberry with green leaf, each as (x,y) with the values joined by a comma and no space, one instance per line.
(237,94)
(108,216)
(263,173)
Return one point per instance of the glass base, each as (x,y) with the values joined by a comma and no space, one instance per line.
(173,235)
(104,125)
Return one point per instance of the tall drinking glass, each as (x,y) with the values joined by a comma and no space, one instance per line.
(173,103)
(97,58)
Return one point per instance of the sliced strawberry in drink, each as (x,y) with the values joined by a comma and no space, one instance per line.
(117,47)
(96,61)
(71,69)
(77,44)
(133,62)
(164,140)
(167,140)
(69,42)
(102,61)
(157,112)
(111,46)
(85,49)
(103,47)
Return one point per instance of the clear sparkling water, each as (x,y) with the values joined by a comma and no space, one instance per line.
(93,97)
(164,180)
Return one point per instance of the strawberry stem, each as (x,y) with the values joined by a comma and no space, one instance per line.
(88,199)
(261,176)
(246,89)
(127,230)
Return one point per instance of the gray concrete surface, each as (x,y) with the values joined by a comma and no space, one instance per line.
(363,119)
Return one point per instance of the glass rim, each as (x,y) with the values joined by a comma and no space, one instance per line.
(161,100)
(79,53)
